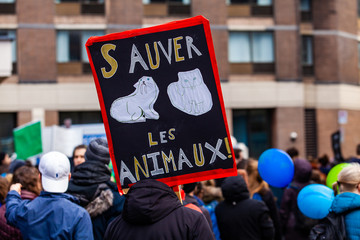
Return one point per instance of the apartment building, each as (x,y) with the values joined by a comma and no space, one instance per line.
(289,69)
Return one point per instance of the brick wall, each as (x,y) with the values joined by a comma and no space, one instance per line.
(36,40)
(289,120)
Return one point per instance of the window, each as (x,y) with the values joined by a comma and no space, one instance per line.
(11,34)
(88,1)
(8,123)
(71,53)
(256,47)
(247,8)
(253,127)
(305,8)
(253,2)
(7,7)
(251,52)
(76,7)
(307,55)
(159,8)
(81,117)
(70,48)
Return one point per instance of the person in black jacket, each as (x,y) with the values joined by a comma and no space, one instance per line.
(90,183)
(153,211)
(240,217)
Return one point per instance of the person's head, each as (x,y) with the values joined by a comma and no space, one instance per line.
(54,168)
(324,160)
(234,189)
(303,170)
(348,179)
(252,171)
(98,150)
(4,159)
(189,188)
(256,183)
(293,152)
(28,176)
(79,154)
(4,187)
(358,150)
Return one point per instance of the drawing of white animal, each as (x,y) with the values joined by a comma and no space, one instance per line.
(139,105)
(190,94)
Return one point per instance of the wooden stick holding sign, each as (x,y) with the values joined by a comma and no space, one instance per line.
(161,102)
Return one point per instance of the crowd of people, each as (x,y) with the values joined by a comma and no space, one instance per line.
(75,198)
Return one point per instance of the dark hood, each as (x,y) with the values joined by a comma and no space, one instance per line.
(148,201)
(302,171)
(86,179)
(90,172)
(234,189)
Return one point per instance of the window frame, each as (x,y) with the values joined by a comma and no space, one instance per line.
(307,68)
(251,46)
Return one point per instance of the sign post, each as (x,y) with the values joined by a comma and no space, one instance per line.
(161,102)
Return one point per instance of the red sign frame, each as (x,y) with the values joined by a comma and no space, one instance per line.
(195,21)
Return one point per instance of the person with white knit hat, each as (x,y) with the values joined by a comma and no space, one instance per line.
(53,214)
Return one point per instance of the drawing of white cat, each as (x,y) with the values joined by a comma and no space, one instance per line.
(139,105)
(190,94)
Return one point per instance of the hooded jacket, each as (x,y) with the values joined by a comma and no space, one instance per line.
(349,203)
(238,216)
(49,216)
(289,208)
(90,183)
(152,211)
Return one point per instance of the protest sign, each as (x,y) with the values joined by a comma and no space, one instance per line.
(161,102)
(27,140)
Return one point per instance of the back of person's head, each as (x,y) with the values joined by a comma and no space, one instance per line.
(324,160)
(98,150)
(4,188)
(190,187)
(17,164)
(293,152)
(358,149)
(252,169)
(55,172)
(2,157)
(303,170)
(28,176)
(348,179)
(234,189)
(256,183)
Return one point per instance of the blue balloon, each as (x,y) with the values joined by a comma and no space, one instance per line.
(276,167)
(315,200)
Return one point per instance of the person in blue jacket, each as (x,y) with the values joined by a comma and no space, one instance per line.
(348,201)
(53,214)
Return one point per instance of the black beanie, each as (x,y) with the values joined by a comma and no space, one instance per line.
(98,150)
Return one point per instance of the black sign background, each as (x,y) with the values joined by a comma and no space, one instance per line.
(131,140)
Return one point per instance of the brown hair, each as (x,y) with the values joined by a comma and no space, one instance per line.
(28,176)
(81,146)
(348,179)
(4,187)
(256,183)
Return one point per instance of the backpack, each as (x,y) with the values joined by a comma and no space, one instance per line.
(303,224)
(331,227)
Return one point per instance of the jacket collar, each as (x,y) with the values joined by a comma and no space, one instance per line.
(59,195)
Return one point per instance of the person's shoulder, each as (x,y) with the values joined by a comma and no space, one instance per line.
(188,212)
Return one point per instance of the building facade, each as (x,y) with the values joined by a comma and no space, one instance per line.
(289,69)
